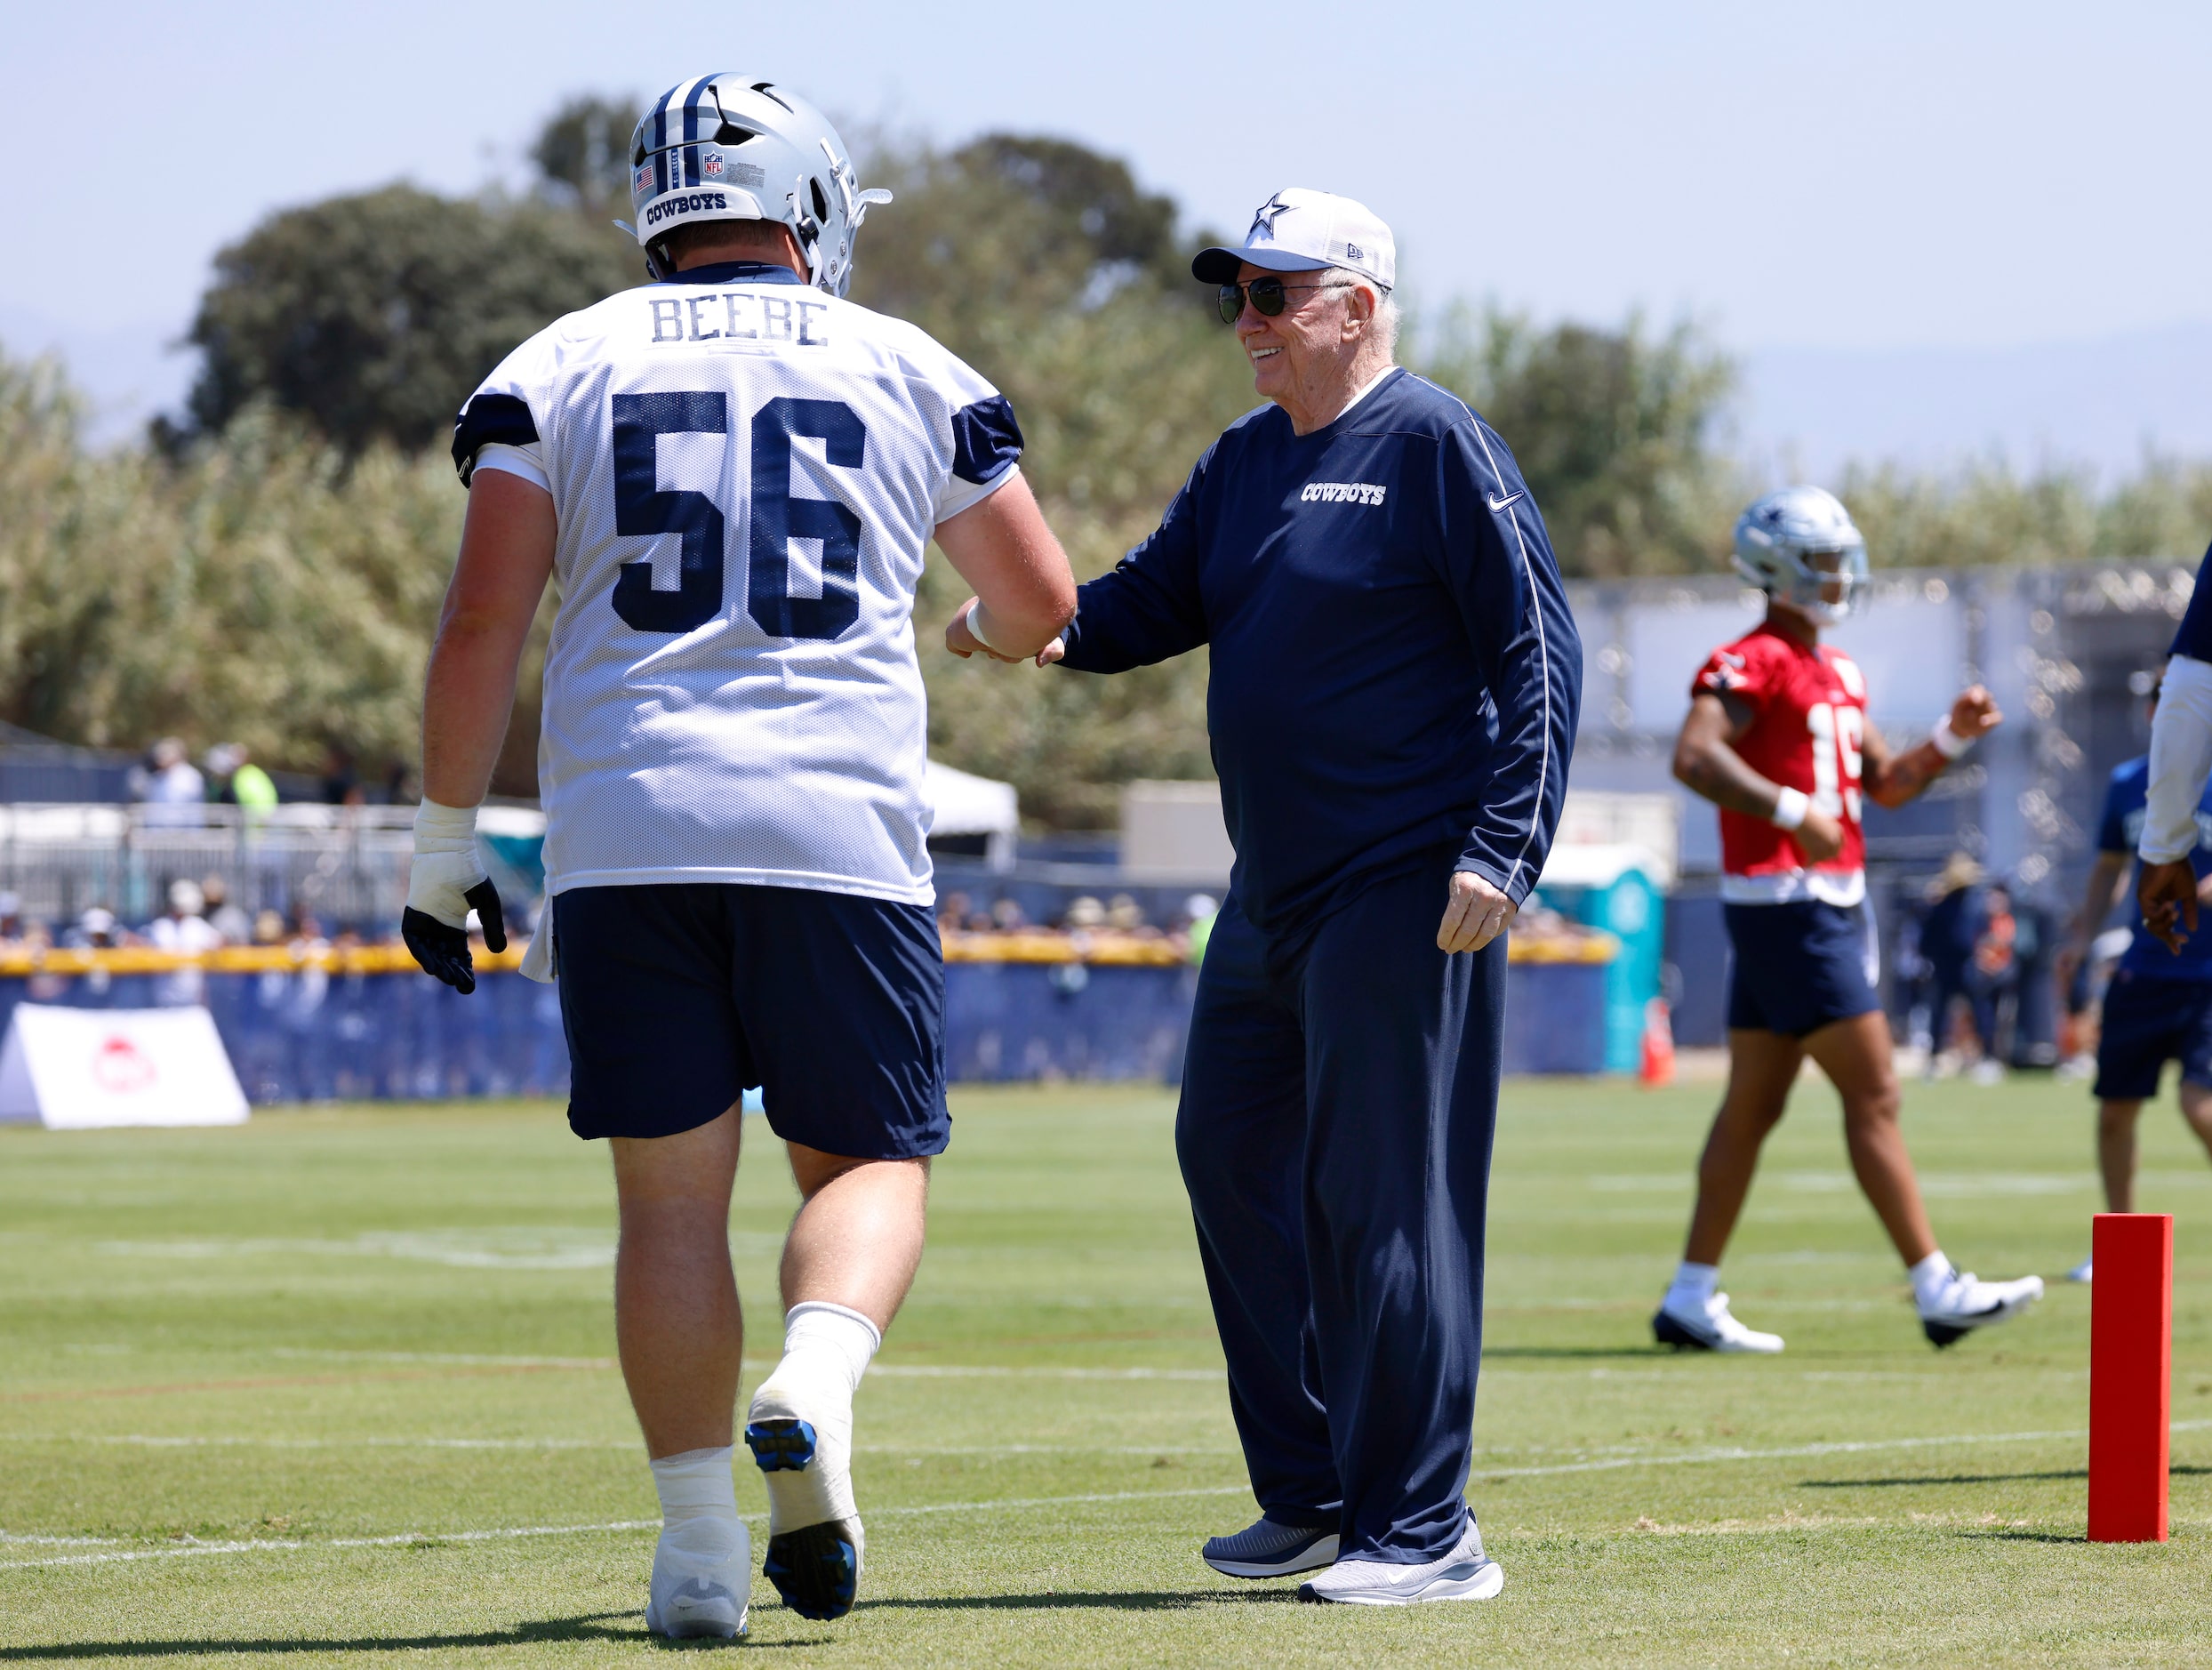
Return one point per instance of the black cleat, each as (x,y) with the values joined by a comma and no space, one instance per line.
(816,1569)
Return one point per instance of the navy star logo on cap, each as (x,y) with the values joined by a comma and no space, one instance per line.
(1265,220)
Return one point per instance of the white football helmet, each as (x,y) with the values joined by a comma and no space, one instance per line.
(720,148)
(1776,535)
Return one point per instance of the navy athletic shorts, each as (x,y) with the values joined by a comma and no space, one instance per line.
(1799,966)
(677,997)
(2147,1024)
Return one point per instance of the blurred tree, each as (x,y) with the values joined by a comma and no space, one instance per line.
(374,315)
(1047,267)
(1614,431)
(582,154)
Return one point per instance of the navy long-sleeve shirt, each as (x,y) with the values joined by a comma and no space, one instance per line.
(1395,669)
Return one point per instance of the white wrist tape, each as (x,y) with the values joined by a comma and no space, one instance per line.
(1947,742)
(446,863)
(976,628)
(1790,806)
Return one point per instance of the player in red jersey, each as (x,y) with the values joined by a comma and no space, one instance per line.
(1777,737)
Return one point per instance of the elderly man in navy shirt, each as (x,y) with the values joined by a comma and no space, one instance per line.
(1395,684)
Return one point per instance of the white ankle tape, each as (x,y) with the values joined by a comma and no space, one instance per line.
(817,1329)
(695,1483)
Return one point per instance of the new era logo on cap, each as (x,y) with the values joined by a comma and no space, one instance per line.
(1298,229)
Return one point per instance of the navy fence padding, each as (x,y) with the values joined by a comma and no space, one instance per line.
(1555,1017)
(1022,1021)
(314,1037)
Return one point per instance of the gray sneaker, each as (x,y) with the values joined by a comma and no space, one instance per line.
(1267,1549)
(1465,1574)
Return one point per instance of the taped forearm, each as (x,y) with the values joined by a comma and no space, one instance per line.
(2181,759)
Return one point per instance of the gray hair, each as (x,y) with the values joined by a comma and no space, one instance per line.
(1387,318)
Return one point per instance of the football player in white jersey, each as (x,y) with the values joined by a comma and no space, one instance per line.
(732,473)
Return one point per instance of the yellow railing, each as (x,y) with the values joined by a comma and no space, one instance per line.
(1107,949)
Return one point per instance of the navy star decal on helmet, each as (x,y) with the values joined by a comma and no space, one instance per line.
(721,148)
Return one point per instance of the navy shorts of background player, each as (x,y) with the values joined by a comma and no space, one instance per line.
(2159,1006)
(1800,966)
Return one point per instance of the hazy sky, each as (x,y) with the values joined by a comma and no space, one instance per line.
(1869,177)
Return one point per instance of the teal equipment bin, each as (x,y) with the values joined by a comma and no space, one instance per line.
(1616,888)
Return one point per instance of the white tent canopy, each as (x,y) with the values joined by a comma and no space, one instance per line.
(969,805)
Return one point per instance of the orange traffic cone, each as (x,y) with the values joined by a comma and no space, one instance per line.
(1657,1064)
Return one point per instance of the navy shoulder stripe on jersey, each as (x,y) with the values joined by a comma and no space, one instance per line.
(501,418)
(985,440)
(2194,640)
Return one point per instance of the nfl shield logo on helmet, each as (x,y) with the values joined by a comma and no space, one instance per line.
(711,165)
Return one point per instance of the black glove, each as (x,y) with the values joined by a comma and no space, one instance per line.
(443,950)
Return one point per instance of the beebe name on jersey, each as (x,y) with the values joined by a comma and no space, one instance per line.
(748,315)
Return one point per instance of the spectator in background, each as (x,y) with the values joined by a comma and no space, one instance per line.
(240,783)
(10,921)
(342,783)
(1947,936)
(1201,908)
(171,787)
(1124,914)
(229,920)
(186,932)
(1994,977)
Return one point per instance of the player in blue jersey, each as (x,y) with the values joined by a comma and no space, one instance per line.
(2181,763)
(2159,1004)
(1394,687)
(732,472)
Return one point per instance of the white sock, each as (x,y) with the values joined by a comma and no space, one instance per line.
(827,1348)
(1694,1284)
(1930,1277)
(698,1504)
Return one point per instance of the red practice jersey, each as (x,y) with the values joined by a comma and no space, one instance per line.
(1808,709)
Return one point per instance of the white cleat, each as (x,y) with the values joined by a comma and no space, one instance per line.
(2082,1272)
(1712,1328)
(701,1594)
(1465,1574)
(801,1437)
(1966,1303)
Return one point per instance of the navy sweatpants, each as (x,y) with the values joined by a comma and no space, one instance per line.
(1339,1096)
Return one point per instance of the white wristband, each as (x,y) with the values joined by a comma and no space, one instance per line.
(1947,742)
(1790,806)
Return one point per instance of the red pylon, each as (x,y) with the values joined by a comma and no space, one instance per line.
(1656,1065)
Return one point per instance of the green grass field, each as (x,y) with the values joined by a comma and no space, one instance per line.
(337,1388)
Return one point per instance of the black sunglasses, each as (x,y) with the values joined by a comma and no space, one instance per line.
(1268,296)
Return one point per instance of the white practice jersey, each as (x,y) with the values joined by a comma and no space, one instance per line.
(745,471)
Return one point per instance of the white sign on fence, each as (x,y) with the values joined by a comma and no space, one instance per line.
(83,1069)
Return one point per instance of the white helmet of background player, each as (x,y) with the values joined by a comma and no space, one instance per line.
(721,148)
(1797,545)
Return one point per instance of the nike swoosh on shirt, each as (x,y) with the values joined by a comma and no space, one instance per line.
(1497,504)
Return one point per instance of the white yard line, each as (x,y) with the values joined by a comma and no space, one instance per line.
(932,1371)
(1611,1463)
(271,1546)
(632,1445)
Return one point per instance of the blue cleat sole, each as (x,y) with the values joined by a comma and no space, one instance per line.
(780,1445)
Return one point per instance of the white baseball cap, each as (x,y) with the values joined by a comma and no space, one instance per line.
(1297,230)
